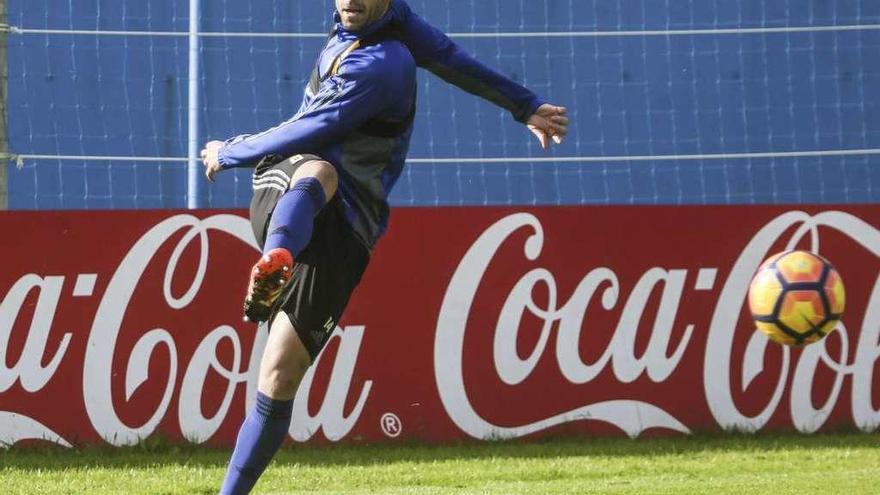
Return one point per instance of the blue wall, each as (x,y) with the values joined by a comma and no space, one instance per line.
(628,95)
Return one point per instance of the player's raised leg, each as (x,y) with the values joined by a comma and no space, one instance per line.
(283,366)
(312,184)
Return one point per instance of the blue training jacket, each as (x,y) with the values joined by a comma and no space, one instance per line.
(357,110)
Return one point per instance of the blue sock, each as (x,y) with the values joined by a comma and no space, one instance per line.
(294,216)
(260,437)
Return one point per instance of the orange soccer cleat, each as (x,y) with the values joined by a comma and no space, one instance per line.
(268,279)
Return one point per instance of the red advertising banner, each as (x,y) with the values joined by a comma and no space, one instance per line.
(470,323)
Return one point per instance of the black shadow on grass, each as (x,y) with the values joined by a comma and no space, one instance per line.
(156,452)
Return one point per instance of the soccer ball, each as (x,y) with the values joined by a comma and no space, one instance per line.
(796,298)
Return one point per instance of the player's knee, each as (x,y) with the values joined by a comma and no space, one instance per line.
(282,380)
(279,386)
(321,170)
(285,360)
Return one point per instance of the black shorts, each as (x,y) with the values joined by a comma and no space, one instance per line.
(329,268)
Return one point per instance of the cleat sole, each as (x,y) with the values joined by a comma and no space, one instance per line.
(268,279)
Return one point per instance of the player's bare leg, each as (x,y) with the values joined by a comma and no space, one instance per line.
(285,361)
(290,229)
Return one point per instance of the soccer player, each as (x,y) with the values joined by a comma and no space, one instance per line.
(321,184)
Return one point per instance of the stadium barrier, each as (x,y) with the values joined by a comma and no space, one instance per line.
(529,321)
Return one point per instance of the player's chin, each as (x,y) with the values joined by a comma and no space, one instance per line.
(353,22)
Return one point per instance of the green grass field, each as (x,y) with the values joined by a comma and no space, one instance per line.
(824,464)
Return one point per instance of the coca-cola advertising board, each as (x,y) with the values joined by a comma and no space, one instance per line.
(470,323)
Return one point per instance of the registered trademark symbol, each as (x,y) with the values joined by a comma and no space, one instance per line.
(390,424)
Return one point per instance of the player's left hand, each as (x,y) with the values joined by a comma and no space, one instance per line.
(211,160)
(549,122)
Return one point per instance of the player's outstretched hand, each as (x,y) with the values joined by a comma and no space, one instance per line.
(210,159)
(549,122)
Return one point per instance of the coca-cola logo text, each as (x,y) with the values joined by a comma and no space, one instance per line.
(659,360)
